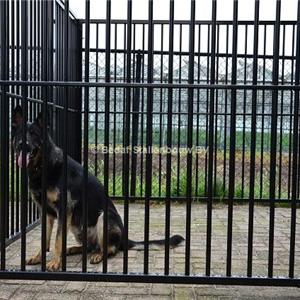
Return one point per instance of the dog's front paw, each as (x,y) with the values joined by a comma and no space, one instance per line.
(34,260)
(96,258)
(53,265)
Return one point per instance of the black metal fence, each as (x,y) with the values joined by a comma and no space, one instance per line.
(200,130)
(211,109)
(41,60)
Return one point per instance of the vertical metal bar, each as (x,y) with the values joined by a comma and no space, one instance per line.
(56,69)
(35,52)
(161,115)
(60,71)
(106,129)
(48,110)
(207,110)
(179,113)
(127,136)
(24,74)
(232,138)
(274,137)
(115,111)
(225,112)
(65,136)
(44,57)
(39,51)
(13,42)
(214,183)
(190,139)
(96,100)
(35,60)
(79,95)
(211,140)
(18,43)
(199,69)
(133,51)
(291,115)
(295,166)
(263,115)
(142,114)
(86,135)
(4,130)
(169,139)
(253,141)
(124,94)
(79,98)
(17,90)
(135,124)
(30,73)
(148,190)
(298,184)
(7,167)
(35,89)
(30,91)
(282,93)
(244,113)
(12,153)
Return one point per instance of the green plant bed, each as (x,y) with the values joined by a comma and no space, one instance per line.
(200,137)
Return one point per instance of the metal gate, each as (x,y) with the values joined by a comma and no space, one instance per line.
(201,111)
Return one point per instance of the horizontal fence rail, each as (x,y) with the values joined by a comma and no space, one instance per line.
(175,112)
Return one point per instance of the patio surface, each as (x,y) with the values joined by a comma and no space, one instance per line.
(85,290)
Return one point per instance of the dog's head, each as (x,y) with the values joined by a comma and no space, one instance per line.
(34,137)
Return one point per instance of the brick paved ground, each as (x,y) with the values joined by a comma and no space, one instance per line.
(77,290)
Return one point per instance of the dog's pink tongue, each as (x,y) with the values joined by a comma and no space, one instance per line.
(20,160)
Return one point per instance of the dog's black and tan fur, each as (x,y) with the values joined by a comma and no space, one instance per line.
(96,198)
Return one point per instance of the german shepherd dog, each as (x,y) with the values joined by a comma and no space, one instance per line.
(96,198)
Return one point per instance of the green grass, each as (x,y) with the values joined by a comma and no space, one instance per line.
(179,184)
(179,188)
(200,136)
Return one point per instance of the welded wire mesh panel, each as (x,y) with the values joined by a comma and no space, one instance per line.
(201,71)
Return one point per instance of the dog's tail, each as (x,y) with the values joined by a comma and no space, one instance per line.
(175,240)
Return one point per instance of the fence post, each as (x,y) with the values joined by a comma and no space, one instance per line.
(24,94)
(135,123)
(295,163)
(4,130)
(78,93)
(273,142)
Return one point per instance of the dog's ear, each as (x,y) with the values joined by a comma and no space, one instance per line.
(40,120)
(17,117)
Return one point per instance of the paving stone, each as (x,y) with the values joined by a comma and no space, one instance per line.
(161,289)
(184,293)
(215,292)
(91,296)
(56,283)
(138,285)
(148,297)
(21,282)
(21,295)
(7,291)
(127,291)
(58,296)
(106,290)
(207,297)
(45,288)
(75,286)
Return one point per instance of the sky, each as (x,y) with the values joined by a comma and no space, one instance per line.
(182,12)
(182,9)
